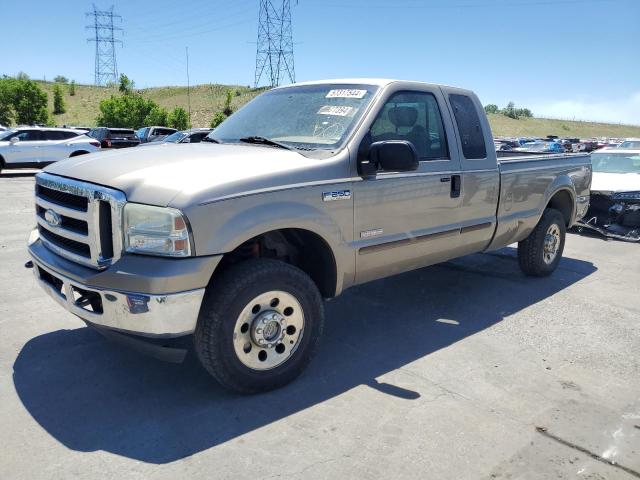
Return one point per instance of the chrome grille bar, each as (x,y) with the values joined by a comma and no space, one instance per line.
(100,256)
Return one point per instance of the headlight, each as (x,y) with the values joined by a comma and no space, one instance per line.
(626,196)
(155,231)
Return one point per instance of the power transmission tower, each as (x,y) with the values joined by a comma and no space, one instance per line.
(274,54)
(106,69)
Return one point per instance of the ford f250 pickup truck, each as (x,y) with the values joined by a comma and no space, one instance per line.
(307,190)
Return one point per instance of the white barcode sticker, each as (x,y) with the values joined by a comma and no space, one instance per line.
(336,110)
(346,93)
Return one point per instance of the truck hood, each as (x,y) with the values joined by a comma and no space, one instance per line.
(615,182)
(201,172)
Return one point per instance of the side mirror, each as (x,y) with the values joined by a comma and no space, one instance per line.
(14,140)
(394,155)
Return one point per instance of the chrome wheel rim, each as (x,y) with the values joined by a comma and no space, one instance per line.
(551,244)
(268,330)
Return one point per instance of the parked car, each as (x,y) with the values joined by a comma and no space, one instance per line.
(541,147)
(115,137)
(29,147)
(614,209)
(630,143)
(305,191)
(154,134)
(194,135)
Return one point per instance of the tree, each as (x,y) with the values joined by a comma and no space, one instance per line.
(72,88)
(510,110)
(227,110)
(61,79)
(156,116)
(126,85)
(30,103)
(178,118)
(130,111)
(491,108)
(22,76)
(217,119)
(58,101)
(7,94)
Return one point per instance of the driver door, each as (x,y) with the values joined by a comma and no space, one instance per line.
(406,220)
(27,149)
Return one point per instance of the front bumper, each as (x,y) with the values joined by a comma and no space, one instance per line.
(162,314)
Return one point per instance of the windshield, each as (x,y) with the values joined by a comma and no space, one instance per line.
(6,133)
(175,137)
(314,117)
(630,144)
(616,162)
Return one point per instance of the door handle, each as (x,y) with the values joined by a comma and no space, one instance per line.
(445,179)
(456,186)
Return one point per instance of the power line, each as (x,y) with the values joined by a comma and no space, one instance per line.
(106,67)
(274,52)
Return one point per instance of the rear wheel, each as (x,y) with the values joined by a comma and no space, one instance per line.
(259,325)
(540,253)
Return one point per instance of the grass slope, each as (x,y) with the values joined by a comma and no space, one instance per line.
(82,110)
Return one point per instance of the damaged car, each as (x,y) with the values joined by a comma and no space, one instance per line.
(614,210)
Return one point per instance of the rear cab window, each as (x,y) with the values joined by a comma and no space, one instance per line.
(469,126)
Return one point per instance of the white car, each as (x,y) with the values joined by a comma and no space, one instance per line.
(29,147)
(614,208)
(630,144)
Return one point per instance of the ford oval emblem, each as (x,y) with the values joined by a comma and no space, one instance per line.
(52,218)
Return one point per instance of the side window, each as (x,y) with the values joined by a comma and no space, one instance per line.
(53,135)
(197,138)
(468,121)
(415,117)
(67,135)
(30,135)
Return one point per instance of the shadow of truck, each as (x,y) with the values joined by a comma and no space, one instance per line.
(91,395)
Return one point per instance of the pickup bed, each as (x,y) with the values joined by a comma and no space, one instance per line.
(307,190)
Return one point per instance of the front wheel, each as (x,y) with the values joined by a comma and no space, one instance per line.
(539,254)
(259,325)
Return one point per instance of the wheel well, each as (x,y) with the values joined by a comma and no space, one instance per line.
(302,248)
(78,152)
(563,202)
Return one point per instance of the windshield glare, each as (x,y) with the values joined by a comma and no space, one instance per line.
(175,137)
(630,144)
(6,133)
(306,117)
(615,163)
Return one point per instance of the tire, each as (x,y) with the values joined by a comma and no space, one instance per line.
(538,254)
(230,320)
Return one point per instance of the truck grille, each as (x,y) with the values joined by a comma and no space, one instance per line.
(78,220)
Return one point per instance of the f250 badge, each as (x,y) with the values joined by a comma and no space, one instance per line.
(336,195)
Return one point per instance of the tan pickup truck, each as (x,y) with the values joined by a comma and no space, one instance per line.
(306,191)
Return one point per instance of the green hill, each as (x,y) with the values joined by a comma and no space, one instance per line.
(82,110)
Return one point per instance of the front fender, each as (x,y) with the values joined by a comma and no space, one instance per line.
(222,226)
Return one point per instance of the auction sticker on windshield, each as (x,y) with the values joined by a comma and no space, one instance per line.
(346,93)
(337,110)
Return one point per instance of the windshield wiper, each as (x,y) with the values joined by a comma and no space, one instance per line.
(210,140)
(264,141)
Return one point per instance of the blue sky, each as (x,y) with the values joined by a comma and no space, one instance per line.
(561,58)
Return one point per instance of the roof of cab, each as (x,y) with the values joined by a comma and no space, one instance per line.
(379,82)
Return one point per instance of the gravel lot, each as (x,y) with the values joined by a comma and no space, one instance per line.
(442,373)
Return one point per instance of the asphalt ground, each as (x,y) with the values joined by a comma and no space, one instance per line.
(465,370)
